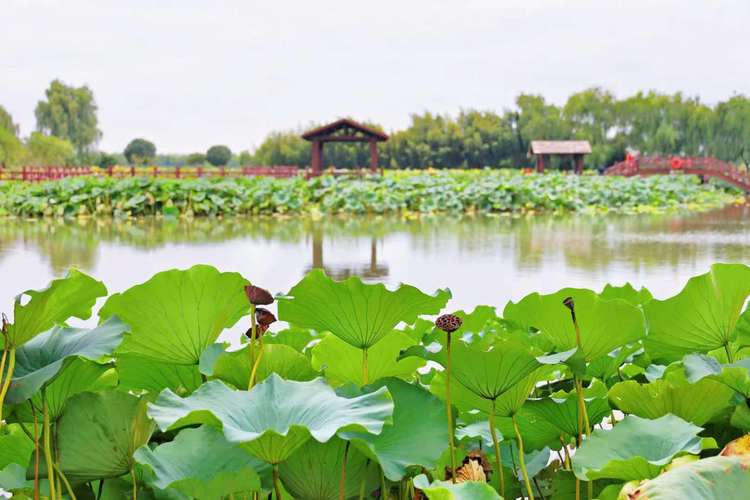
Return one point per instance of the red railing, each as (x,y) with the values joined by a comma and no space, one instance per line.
(660,165)
(40,174)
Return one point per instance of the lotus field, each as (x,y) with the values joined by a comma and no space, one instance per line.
(451,191)
(365,392)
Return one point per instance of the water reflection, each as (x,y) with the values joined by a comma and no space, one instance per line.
(483,258)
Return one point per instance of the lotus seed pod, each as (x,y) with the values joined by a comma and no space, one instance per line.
(264,317)
(258,296)
(448,323)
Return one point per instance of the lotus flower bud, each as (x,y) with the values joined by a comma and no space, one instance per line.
(258,296)
(449,323)
(569,303)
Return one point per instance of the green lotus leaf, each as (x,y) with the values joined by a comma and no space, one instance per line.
(702,317)
(734,375)
(44,356)
(296,338)
(605,324)
(418,435)
(697,403)
(80,375)
(626,292)
(714,478)
(234,367)
(342,363)
(635,448)
(144,374)
(13,477)
(742,330)
(64,298)
(358,313)
(446,490)
(201,464)
(313,472)
(176,314)
(277,416)
(561,408)
(15,446)
(98,433)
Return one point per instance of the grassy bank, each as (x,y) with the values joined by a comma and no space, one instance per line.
(407,191)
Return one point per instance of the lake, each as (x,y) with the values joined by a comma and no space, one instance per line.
(482,259)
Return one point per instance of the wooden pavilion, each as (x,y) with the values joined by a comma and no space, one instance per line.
(343,130)
(543,149)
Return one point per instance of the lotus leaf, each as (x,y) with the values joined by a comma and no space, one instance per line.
(44,356)
(277,416)
(605,324)
(446,490)
(201,464)
(358,313)
(98,434)
(341,362)
(714,478)
(418,436)
(635,448)
(176,314)
(702,317)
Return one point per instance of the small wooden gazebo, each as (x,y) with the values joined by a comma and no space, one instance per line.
(543,149)
(343,130)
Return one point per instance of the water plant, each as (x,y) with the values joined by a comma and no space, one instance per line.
(445,191)
(371,392)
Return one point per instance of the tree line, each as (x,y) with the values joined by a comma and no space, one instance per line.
(648,122)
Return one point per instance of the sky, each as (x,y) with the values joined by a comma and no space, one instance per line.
(187,74)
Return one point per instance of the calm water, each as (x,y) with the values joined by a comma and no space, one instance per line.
(484,260)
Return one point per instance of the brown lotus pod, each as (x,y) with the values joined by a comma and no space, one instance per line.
(259,331)
(258,296)
(264,317)
(449,323)
(569,303)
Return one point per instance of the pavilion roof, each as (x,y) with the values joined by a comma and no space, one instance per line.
(560,147)
(346,127)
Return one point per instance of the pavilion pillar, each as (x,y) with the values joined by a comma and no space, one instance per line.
(578,160)
(540,163)
(317,158)
(373,157)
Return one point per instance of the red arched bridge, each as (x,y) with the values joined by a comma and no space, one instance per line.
(704,166)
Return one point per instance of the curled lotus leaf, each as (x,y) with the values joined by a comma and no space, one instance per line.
(277,416)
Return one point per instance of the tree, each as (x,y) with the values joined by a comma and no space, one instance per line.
(69,113)
(244,158)
(218,155)
(732,134)
(195,159)
(6,122)
(12,151)
(105,160)
(47,150)
(140,151)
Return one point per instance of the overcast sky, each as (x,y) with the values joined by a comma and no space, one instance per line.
(187,74)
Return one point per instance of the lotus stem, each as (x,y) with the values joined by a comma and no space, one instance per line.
(498,456)
(448,409)
(47,445)
(101,488)
(251,349)
(730,357)
(342,481)
(66,483)
(365,369)
(522,459)
(539,489)
(363,482)
(276,482)
(6,381)
(254,372)
(36,451)
(583,421)
(135,482)
(384,493)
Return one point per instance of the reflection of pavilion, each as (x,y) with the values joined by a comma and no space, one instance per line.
(371,270)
